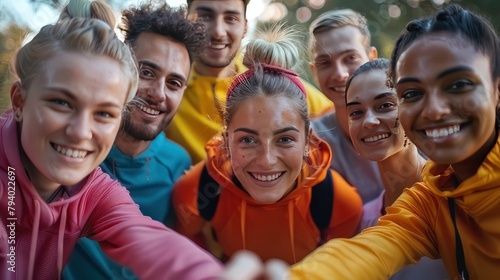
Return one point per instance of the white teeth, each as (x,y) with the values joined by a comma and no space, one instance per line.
(149,110)
(376,138)
(218,47)
(342,89)
(70,152)
(442,132)
(267,178)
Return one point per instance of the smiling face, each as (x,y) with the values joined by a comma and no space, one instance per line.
(337,54)
(447,99)
(70,115)
(266,150)
(225,26)
(372,110)
(163,73)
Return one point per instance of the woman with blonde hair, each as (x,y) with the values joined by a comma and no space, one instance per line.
(74,80)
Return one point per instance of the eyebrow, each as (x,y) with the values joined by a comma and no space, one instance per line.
(210,10)
(446,72)
(340,53)
(276,132)
(378,96)
(158,68)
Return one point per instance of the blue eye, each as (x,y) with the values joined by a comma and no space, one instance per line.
(61,102)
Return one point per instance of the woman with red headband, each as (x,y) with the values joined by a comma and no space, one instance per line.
(266,185)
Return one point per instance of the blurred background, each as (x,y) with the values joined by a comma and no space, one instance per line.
(21,19)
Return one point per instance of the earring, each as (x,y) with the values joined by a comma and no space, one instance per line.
(396,125)
(306,153)
(407,142)
(18,115)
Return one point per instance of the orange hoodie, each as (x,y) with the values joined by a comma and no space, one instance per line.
(284,229)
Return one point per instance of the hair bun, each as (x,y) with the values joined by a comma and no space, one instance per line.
(415,25)
(450,11)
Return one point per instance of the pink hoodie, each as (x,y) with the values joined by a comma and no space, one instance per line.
(36,238)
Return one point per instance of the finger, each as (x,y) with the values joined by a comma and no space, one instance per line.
(276,269)
(244,265)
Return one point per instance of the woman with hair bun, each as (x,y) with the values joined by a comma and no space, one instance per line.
(266,185)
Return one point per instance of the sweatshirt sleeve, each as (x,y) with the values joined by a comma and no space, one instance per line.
(149,248)
(402,236)
(347,209)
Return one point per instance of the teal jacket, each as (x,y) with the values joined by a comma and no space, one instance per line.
(149,177)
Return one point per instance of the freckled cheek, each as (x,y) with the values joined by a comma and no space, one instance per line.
(239,159)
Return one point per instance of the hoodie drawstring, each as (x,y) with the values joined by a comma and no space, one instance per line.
(34,240)
(60,240)
(243,214)
(290,226)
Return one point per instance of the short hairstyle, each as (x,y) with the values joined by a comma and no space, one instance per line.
(277,47)
(470,27)
(78,35)
(166,21)
(245,4)
(339,18)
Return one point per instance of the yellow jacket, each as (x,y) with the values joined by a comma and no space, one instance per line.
(419,224)
(198,117)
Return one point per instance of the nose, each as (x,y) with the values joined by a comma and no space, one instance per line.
(157,92)
(435,106)
(218,28)
(266,157)
(370,120)
(340,72)
(80,127)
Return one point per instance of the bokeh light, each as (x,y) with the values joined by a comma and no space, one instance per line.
(303,14)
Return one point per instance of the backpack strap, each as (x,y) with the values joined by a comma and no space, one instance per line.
(321,206)
(208,195)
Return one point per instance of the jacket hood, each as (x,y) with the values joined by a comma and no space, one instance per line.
(219,167)
(32,211)
(478,195)
(10,157)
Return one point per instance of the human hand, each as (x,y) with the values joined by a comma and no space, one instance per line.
(246,265)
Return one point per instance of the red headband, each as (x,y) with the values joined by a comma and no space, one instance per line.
(267,68)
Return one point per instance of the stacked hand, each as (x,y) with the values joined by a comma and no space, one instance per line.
(246,265)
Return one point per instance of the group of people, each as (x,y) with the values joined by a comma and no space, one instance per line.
(180,154)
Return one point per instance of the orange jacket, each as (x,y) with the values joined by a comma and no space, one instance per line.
(284,229)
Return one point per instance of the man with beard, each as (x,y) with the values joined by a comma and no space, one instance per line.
(198,118)
(142,158)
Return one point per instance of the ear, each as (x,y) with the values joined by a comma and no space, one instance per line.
(246,28)
(17,97)
(225,142)
(314,73)
(309,137)
(497,93)
(372,53)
